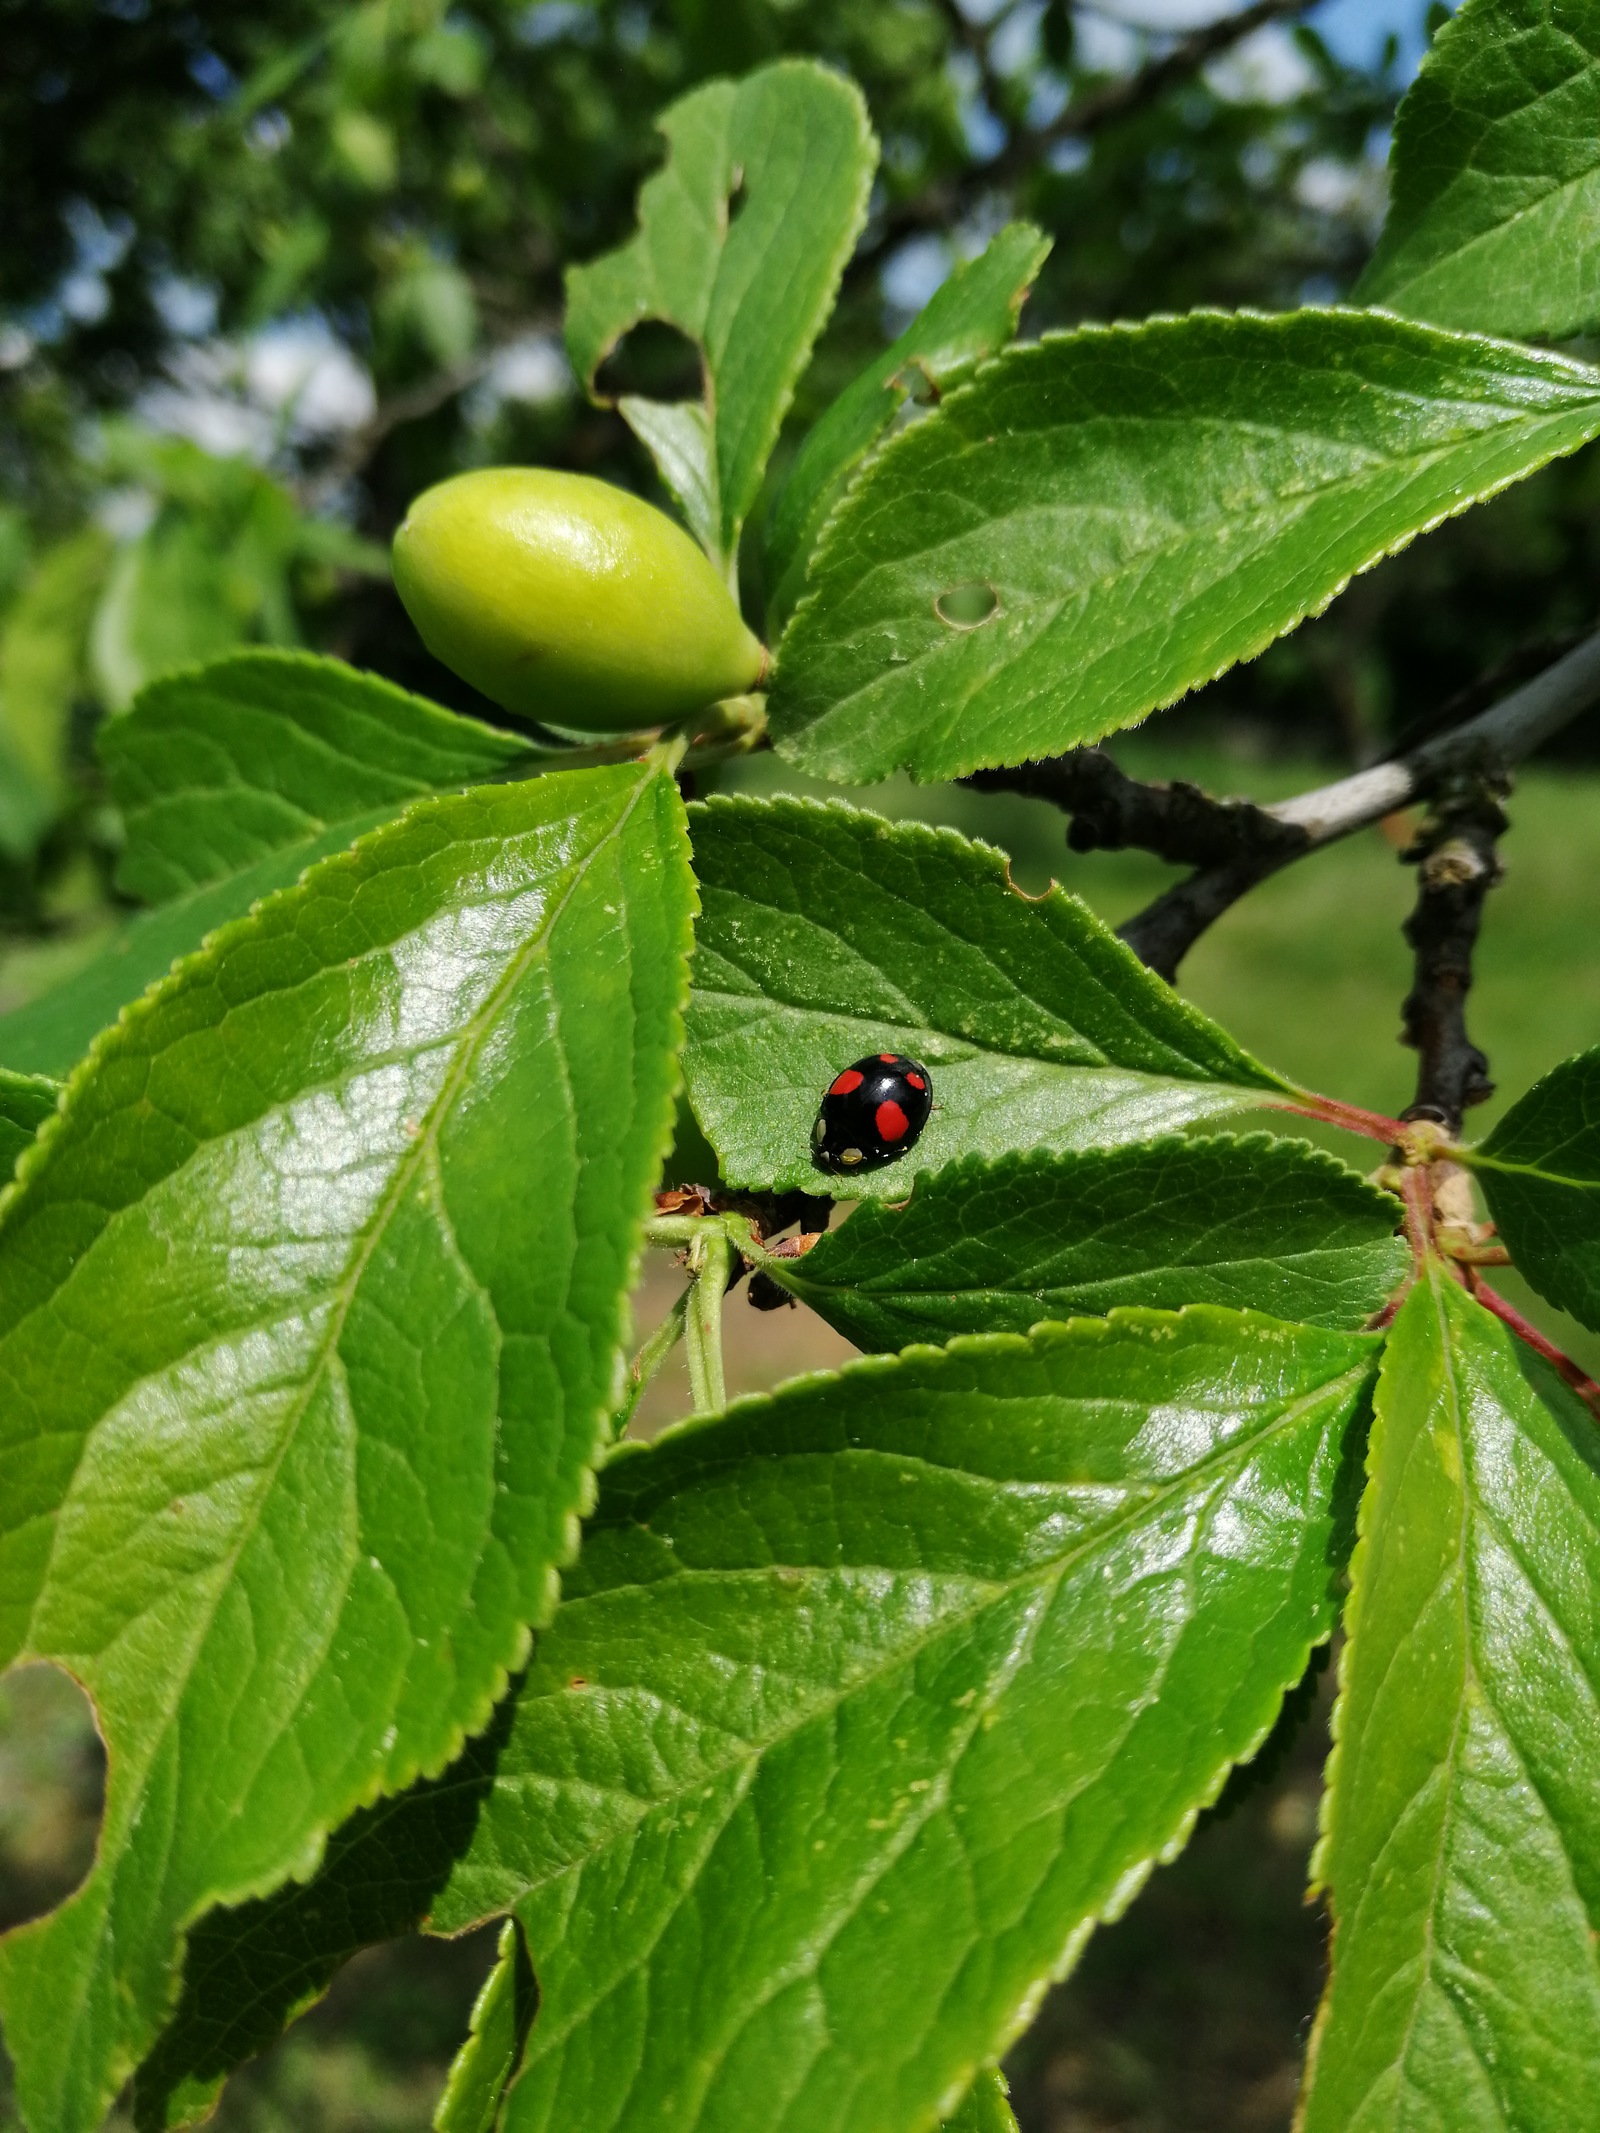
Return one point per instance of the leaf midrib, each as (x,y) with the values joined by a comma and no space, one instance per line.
(1035,1279)
(1481,1161)
(987,1593)
(1046,1577)
(1378,463)
(343,1294)
(977,1049)
(1046,610)
(1396,282)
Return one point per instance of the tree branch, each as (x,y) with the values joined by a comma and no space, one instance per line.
(1162,934)
(1111,811)
(937,205)
(1457,865)
(1120,99)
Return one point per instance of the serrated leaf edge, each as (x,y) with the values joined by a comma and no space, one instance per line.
(941,835)
(1060,1332)
(897,440)
(382,1783)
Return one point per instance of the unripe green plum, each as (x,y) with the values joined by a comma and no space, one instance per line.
(570,601)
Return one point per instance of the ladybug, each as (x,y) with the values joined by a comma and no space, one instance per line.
(872,1113)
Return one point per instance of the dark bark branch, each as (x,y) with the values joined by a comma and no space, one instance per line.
(940,203)
(1457,865)
(1162,934)
(1120,99)
(1111,811)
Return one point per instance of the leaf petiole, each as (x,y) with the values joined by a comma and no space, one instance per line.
(711,1264)
(652,1354)
(1562,1363)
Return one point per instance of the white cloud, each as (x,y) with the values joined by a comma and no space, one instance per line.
(294,383)
(533,369)
(187,308)
(302,373)
(1268,68)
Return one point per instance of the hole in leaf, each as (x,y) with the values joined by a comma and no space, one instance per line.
(52,1790)
(655,361)
(967,607)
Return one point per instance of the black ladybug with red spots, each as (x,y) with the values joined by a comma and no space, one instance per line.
(871,1114)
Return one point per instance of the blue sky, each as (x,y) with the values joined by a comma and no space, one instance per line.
(1355,28)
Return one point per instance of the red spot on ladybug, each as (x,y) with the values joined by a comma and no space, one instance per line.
(915,1081)
(889,1058)
(891,1121)
(847,1081)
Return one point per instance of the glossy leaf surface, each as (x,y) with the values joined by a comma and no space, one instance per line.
(968,317)
(302,1386)
(26,1101)
(1102,520)
(1495,217)
(1540,1173)
(49,1035)
(827,933)
(1257,1224)
(865,1701)
(741,242)
(216,768)
(1462,1826)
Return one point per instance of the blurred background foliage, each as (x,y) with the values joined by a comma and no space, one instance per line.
(266,271)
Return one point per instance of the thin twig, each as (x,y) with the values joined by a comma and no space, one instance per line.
(1119,99)
(1574,1373)
(1162,934)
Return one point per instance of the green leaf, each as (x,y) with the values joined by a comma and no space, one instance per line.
(1104,519)
(1462,1822)
(869,1699)
(847,1615)
(250,1970)
(492,2053)
(1540,1173)
(741,242)
(26,1101)
(968,317)
(827,933)
(985,2109)
(216,768)
(301,1384)
(1258,1224)
(49,1035)
(41,666)
(677,434)
(1494,222)
(170,602)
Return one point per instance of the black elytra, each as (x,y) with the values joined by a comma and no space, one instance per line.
(872,1113)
